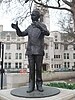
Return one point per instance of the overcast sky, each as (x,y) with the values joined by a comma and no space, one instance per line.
(6,20)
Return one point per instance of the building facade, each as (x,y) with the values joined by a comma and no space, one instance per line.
(64,51)
(58,52)
(15,49)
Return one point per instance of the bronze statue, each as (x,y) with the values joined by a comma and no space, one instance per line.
(35,49)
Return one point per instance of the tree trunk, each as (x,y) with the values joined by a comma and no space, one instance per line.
(74,21)
(73,11)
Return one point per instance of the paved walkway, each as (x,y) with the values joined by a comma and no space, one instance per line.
(64,94)
(73,98)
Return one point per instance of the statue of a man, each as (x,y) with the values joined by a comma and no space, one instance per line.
(35,49)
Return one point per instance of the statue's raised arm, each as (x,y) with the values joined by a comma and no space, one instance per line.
(18,31)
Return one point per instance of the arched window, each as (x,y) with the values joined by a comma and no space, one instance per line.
(8,37)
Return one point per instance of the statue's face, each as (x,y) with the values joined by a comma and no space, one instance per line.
(34,16)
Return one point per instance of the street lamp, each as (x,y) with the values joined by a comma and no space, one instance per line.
(1,55)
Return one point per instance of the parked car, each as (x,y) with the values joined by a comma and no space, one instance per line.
(73,68)
(61,69)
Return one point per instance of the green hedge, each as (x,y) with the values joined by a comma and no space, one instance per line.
(61,85)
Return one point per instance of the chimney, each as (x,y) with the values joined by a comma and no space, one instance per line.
(1,28)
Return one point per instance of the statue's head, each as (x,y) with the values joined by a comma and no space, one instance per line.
(35,15)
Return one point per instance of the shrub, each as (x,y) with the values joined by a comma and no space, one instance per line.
(61,85)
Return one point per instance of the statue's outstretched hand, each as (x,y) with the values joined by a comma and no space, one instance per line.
(15,26)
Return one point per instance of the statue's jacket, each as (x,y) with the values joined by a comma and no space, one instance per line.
(35,39)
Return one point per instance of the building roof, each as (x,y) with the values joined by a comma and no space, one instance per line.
(5,33)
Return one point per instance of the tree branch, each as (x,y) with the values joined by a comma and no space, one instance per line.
(67,2)
(46,6)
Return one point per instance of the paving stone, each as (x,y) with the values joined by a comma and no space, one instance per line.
(65,94)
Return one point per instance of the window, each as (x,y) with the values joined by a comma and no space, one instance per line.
(59,66)
(46,55)
(45,46)
(5,55)
(16,65)
(18,46)
(9,56)
(56,38)
(74,63)
(56,46)
(55,66)
(25,45)
(73,55)
(52,66)
(3,36)
(66,55)
(26,56)
(18,39)
(66,64)
(51,59)
(5,64)
(7,46)
(65,47)
(56,56)
(74,47)
(20,55)
(9,65)
(8,37)
(16,55)
(20,65)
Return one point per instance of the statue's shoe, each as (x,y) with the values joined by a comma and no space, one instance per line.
(30,90)
(40,89)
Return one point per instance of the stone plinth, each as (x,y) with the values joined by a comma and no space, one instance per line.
(64,94)
(17,79)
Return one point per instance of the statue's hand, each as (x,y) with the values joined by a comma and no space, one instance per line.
(15,26)
(37,24)
(41,26)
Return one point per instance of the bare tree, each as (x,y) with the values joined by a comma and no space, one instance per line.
(67,28)
(69,6)
(66,23)
(17,8)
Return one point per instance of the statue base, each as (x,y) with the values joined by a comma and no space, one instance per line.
(22,92)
